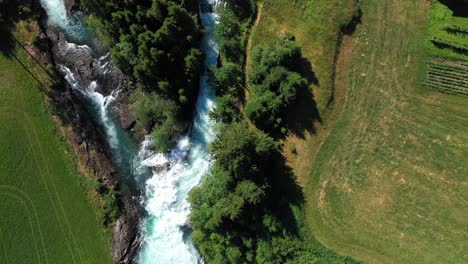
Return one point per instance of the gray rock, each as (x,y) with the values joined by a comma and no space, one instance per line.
(127,120)
(126,240)
(70,5)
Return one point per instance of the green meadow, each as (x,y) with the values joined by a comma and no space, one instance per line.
(389,183)
(45,216)
(384,171)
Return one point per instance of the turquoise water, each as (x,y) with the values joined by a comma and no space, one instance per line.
(166,237)
(164,192)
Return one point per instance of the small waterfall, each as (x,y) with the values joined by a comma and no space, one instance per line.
(166,239)
(87,51)
(56,13)
(100,102)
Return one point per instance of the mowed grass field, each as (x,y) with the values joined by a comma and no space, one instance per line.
(45,216)
(390,182)
(316,26)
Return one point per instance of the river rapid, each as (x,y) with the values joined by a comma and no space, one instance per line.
(164,180)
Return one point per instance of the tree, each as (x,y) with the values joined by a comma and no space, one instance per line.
(157,43)
(274,85)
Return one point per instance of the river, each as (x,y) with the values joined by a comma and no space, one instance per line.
(166,234)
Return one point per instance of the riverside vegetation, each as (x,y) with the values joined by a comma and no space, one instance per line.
(391,165)
(157,43)
(245,210)
(248,208)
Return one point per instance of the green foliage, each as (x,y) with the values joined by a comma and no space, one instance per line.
(163,133)
(274,85)
(227,110)
(445,37)
(230,32)
(154,41)
(227,206)
(228,80)
(157,42)
(241,210)
(107,209)
(228,77)
(242,152)
(158,114)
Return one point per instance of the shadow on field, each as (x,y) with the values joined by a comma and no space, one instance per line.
(285,192)
(11,11)
(302,116)
(7,24)
(458,7)
(41,86)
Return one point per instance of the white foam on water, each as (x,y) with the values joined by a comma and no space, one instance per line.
(100,102)
(56,12)
(166,191)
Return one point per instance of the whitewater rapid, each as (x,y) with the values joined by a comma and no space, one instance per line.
(166,232)
(166,235)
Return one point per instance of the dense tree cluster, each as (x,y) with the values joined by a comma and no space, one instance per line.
(157,42)
(241,213)
(274,84)
(230,214)
(228,77)
(155,112)
(247,209)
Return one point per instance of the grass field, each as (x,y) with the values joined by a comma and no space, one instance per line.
(45,215)
(316,26)
(389,184)
(448,76)
(445,27)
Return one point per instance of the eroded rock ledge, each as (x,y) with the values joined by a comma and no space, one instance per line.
(89,143)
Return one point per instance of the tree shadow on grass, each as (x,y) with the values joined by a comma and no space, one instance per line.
(11,11)
(304,113)
(9,15)
(7,43)
(286,193)
(458,7)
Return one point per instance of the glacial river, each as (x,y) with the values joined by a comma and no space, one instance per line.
(166,235)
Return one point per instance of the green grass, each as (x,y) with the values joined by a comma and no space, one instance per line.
(316,26)
(448,77)
(389,182)
(45,215)
(439,17)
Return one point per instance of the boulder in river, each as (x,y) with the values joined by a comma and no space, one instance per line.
(127,120)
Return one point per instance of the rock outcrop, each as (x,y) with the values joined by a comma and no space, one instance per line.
(70,6)
(126,239)
(87,137)
(127,120)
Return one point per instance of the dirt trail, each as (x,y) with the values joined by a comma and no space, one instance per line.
(249,41)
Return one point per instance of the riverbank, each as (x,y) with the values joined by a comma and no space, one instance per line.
(106,180)
(46,216)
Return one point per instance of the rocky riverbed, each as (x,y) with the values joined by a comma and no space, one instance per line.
(87,137)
